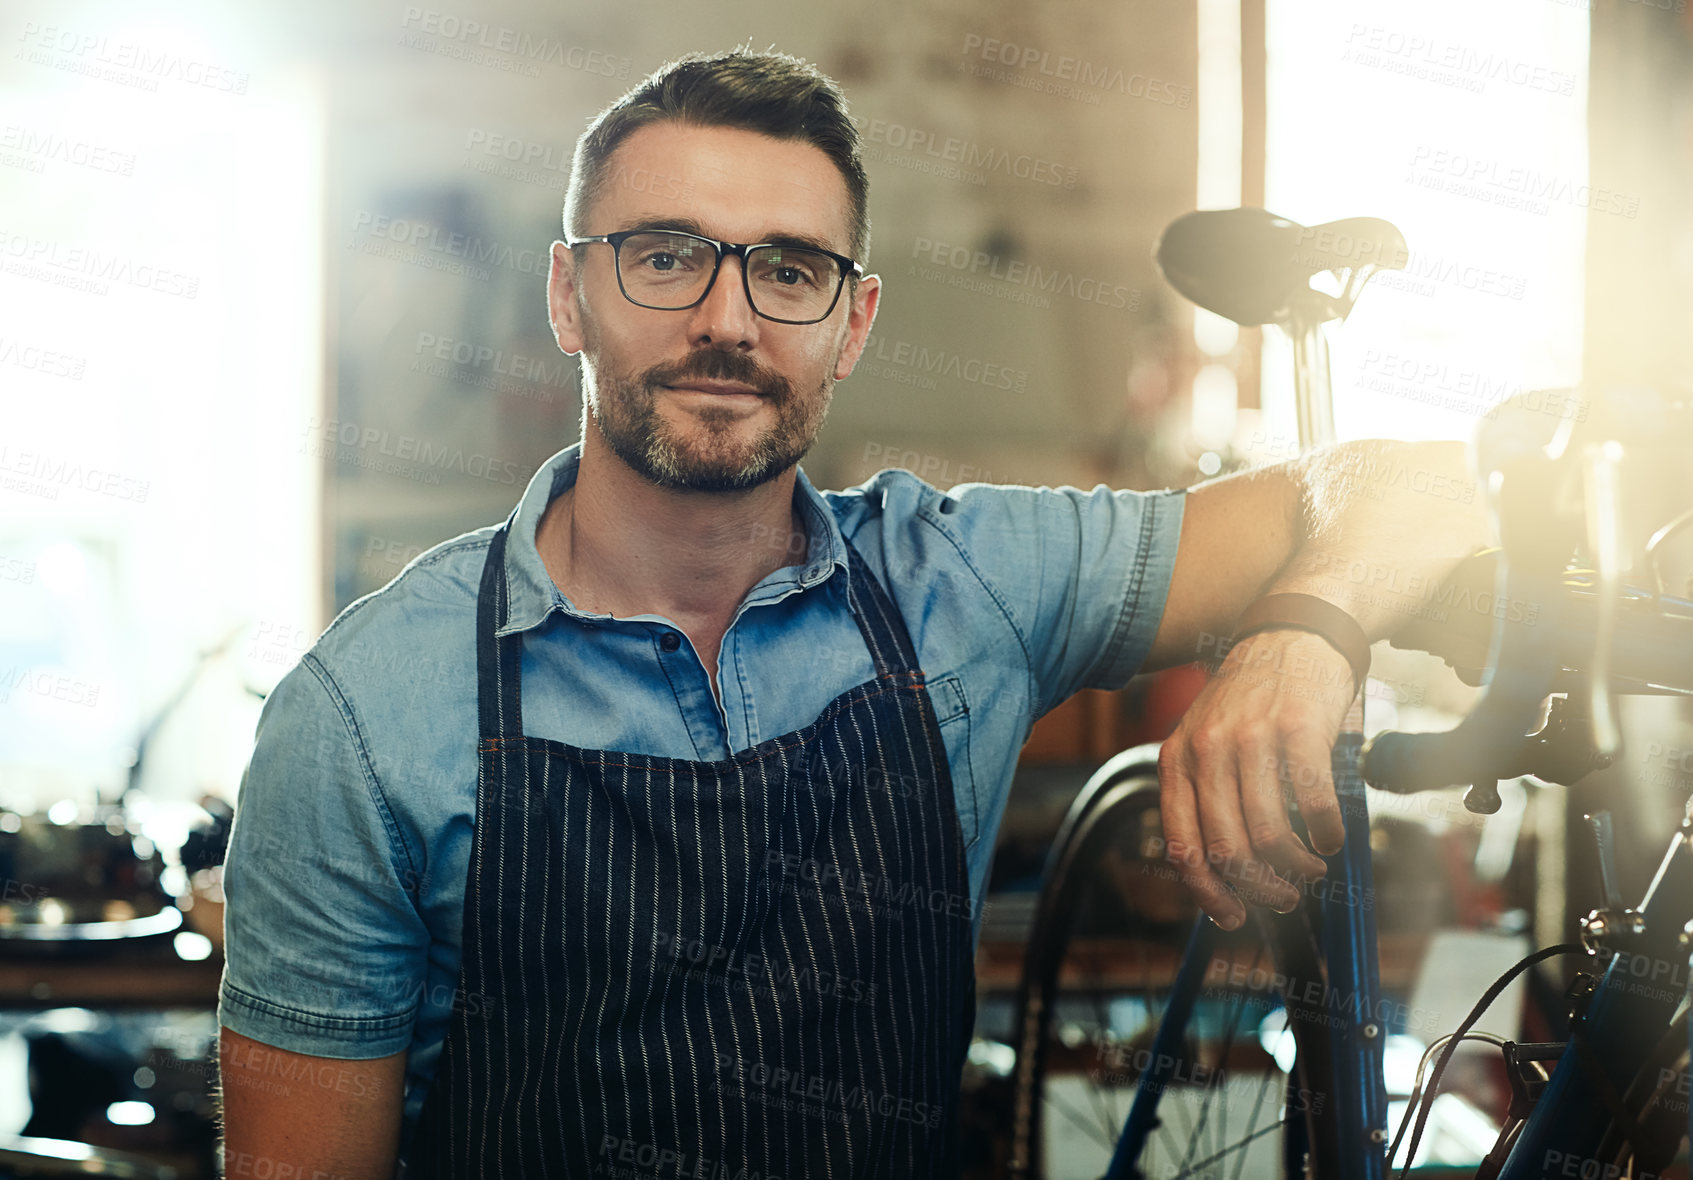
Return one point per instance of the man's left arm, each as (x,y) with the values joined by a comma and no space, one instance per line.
(1369,527)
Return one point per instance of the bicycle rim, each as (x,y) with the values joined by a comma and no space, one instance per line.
(1110,928)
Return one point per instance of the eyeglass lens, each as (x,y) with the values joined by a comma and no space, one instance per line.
(669,271)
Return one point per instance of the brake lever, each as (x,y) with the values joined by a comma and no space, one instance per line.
(1521,479)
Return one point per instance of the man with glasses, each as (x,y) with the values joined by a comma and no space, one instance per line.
(678,871)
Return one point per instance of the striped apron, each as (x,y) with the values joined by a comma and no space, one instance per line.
(758,968)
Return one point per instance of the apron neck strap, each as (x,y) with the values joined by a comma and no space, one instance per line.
(499,659)
(883,629)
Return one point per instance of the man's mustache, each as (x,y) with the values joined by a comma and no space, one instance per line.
(715,365)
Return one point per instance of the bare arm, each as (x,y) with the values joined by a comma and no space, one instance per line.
(1367,525)
(1370,527)
(291,1114)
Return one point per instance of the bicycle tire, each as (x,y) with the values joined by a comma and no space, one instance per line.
(1112,811)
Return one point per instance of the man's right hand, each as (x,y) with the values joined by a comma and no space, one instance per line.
(289,1114)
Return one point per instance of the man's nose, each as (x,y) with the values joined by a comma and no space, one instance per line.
(724,318)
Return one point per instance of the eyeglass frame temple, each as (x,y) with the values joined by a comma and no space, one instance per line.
(616,240)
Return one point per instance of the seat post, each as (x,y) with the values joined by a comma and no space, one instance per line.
(1313,396)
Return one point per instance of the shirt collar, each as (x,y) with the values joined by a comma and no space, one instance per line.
(531,593)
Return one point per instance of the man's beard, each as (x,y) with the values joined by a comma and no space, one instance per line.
(628,418)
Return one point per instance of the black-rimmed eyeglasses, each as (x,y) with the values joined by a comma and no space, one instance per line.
(669,270)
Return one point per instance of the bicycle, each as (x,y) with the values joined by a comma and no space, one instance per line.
(1176,1035)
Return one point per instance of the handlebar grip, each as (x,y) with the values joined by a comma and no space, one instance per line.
(1405,763)
(1390,761)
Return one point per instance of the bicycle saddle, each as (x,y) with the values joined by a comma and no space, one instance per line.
(1252,267)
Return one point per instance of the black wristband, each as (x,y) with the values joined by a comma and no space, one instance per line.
(1307,612)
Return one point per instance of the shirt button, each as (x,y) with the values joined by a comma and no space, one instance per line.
(669,641)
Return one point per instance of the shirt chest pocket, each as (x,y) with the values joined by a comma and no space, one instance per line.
(952,713)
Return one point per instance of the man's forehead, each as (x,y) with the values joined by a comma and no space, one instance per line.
(727,182)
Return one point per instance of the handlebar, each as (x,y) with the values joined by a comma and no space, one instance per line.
(1555,629)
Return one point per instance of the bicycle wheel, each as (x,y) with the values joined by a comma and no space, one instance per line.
(1239,1077)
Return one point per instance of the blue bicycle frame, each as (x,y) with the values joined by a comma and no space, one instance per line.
(1347,937)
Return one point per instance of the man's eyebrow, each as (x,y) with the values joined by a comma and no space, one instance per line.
(688,225)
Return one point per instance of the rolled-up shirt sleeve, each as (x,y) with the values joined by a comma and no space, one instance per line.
(1083,574)
(325,951)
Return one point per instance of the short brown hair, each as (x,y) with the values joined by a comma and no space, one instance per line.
(772,93)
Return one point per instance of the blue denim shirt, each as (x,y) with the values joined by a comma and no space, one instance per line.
(347,863)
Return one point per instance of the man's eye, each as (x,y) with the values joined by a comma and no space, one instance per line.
(788,275)
(661,261)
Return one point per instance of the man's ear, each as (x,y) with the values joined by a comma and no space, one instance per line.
(562,309)
(861,314)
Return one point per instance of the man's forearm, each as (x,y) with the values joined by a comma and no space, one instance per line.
(1380,525)
(1370,527)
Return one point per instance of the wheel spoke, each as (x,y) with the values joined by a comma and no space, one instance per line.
(1252,1119)
(1237,1002)
(1086,984)
(1155,1019)
(1230,1150)
(1102,1014)
(1082,1122)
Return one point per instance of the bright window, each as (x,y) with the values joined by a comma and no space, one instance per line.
(1465,125)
